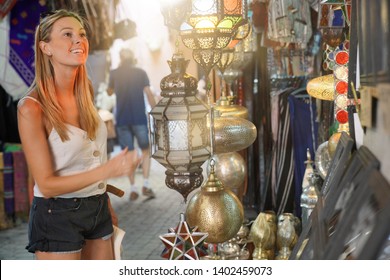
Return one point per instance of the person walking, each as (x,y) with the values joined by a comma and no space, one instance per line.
(131,84)
(64,141)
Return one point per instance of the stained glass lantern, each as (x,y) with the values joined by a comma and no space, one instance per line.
(180,141)
(332,20)
(175,12)
(210,28)
(218,13)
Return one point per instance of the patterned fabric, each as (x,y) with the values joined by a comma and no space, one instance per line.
(20,185)
(24,19)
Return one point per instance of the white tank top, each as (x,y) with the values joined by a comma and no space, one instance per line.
(77,155)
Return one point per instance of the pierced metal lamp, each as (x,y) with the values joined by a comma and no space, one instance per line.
(180,141)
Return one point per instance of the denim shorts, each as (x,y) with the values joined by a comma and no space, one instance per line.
(126,134)
(63,224)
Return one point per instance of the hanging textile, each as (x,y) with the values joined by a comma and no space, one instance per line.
(304,130)
(282,154)
(24,19)
(10,80)
(289,21)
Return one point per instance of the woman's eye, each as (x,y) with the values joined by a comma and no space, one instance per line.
(68,34)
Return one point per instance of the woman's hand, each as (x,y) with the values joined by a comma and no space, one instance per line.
(125,163)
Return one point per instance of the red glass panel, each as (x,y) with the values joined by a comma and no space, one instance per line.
(342,57)
(342,116)
(341,87)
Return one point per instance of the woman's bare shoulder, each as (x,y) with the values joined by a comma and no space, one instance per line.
(29,105)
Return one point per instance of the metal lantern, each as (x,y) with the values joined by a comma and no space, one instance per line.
(232,134)
(218,13)
(215,210)
(175,13)
(332,20)
(230,168)
(211,26)
(180,141)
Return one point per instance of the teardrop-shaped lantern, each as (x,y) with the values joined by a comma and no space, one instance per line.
(232,134)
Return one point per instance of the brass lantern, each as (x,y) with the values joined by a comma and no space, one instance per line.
(216,210)
(180,141)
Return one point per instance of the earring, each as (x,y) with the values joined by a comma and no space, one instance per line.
(49,54)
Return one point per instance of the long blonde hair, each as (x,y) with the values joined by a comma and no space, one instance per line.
(43,83)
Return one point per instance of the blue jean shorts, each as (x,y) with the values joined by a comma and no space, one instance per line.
(63,224)
(126,134)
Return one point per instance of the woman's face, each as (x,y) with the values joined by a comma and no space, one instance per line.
(69,44)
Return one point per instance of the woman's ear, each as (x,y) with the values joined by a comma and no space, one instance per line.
(45,48)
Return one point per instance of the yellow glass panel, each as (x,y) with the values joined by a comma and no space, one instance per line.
(226,23)
(205,23)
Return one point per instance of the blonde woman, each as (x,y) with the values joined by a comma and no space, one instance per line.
(64,141)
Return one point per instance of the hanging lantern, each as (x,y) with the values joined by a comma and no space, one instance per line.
(322,87)
(243,54)
(331,21)
(215,210)
(180,141)
(210,28)
(218,13)
(230,168)
(225,104)
(232,134)
(242,32)
(175,13)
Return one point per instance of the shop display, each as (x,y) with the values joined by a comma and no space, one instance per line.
(280,135)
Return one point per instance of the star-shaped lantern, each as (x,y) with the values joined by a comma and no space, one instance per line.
(183,243)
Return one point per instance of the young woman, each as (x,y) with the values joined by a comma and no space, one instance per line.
(65,143)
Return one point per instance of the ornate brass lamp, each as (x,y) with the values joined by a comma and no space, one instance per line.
(216,210)
(180,141)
